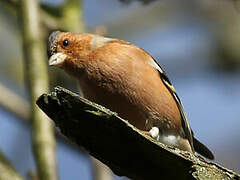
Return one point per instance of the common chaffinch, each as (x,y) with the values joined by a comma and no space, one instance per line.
(127,80)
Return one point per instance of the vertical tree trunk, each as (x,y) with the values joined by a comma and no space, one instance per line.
(36,77)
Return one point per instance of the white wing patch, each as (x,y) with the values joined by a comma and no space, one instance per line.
(155,65)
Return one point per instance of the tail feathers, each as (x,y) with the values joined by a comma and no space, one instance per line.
(202,149)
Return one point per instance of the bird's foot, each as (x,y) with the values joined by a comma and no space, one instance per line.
(154,133)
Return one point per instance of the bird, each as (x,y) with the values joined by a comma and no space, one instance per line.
(127,80)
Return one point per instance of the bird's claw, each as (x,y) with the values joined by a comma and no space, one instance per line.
(154,133)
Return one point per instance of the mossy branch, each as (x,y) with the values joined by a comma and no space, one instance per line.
(121,146)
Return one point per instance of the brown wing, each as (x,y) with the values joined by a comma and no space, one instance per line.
(185,124)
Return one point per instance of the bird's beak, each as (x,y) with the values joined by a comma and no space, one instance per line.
(57,59)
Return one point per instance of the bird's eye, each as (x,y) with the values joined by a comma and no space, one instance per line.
(65,43)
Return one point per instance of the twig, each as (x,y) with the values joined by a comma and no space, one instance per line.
(100,170)
(49,19)
(7,171)
(14,103)
(124,148)
(143,1)
(37,81)
(32,176)
(72,16)
(67,16)
(20,108)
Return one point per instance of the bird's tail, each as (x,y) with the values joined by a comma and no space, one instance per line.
(202,149)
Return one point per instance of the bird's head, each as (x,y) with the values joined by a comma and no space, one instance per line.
(68,50)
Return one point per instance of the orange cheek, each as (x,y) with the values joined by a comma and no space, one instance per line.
(68,66)
(73,67)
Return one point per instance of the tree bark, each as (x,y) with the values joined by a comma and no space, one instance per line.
(121,146)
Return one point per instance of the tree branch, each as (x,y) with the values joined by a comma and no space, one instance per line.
(36,76)
(7,171)
(124,148)
(72,16)
(14,103)
(20,108)
(49,15)
(100,170)
(143,1)
(67,17)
